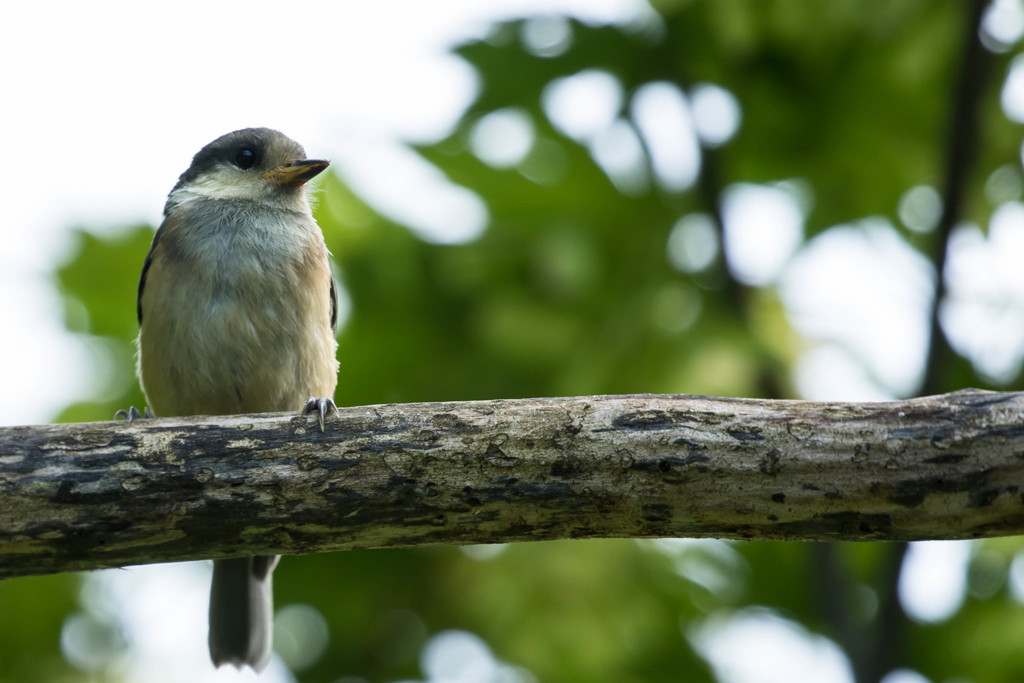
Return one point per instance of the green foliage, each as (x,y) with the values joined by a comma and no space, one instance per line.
(32,612)
(569,292)
(99,286)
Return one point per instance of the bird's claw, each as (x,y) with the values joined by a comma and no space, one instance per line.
(322,407)
(132,414)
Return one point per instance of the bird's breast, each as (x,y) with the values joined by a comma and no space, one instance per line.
(236,315)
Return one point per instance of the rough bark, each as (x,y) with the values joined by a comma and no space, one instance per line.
(85,496)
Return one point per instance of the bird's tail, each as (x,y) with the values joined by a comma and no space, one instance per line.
(241,611)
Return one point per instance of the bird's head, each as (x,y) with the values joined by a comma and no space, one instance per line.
(254,164)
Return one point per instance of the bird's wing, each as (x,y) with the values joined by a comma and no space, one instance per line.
(334,303)
(145,270)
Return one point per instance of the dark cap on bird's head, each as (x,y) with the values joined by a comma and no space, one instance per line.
(258,164)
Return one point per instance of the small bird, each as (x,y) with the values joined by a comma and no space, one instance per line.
(237,313)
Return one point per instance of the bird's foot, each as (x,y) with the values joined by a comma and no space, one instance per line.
(322,407)
(132,414)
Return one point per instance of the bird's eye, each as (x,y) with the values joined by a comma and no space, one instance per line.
(245,158)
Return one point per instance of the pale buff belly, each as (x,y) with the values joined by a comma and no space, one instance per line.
(209,352)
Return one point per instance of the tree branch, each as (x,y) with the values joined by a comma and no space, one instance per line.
(85,496)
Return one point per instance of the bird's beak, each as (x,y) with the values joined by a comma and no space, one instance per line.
(296,172)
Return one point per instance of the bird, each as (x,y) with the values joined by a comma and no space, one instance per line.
(237,311)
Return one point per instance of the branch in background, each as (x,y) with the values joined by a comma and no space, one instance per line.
(966,100)
(85,496)
(962,141)
(890,639)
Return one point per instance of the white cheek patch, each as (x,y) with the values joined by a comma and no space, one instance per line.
(232,184)
(229,184)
